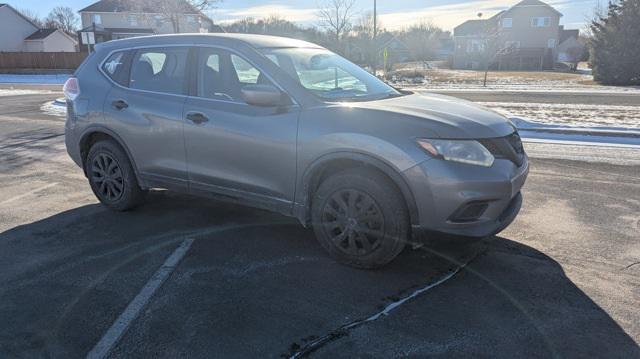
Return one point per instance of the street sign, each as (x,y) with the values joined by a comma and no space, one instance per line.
(88,38)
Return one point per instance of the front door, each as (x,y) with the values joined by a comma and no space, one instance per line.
(235,149)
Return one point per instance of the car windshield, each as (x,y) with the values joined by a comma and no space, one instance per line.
(330,76)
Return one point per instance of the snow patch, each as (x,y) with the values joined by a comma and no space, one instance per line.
(56,108)
(15,92)
(34,79)
(571,115)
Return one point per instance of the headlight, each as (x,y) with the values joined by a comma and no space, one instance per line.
(463,151)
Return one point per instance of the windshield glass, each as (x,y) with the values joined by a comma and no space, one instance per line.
(330,76)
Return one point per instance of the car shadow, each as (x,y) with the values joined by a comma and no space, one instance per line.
(257,284)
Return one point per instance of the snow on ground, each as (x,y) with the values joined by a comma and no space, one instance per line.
(33,79)
(55,108)
(15,92)
(426,79)
(575,115)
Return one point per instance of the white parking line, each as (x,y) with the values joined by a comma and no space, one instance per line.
(26,194)
(120,326)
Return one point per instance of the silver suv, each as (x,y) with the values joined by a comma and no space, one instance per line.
(291,127)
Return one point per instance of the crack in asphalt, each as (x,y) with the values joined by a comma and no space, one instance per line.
(631,265)
(297,351)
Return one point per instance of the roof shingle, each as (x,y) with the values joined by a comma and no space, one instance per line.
(41,34)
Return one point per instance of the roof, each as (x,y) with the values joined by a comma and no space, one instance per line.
(255,41)
(567,34)
(19,14)
(471,27)
(127,30)
(41,34)
(131,6)
(525,3)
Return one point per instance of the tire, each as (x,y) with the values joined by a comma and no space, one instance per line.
(118,190)
(360,218)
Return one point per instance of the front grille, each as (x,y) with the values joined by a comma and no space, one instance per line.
(509,147)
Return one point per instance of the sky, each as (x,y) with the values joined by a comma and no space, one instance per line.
(394,14)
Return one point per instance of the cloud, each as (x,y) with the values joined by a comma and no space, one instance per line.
(445,16)
(283,11)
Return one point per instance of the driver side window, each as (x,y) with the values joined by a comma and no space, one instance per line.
(222,75)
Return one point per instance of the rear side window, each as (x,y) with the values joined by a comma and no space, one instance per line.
(160,70)
(116,67)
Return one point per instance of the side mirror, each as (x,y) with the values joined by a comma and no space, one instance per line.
(262,95)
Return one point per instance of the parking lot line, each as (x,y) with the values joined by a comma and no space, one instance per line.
(120,326)
(26,194)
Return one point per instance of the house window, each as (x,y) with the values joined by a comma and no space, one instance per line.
(159,20)
(551,43)
(540,21)
(507,22)
(475,46)
(96,19)
(133,20)
(191,19)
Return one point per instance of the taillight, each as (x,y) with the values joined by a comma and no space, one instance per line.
(71,88)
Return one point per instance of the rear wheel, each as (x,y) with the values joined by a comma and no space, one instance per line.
(112,178)
(359,217)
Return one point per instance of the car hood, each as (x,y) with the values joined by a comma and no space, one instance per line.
(448,117)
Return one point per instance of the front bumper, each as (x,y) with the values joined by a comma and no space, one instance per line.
(443,190)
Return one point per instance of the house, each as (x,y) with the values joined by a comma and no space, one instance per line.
(525,37)
(19,34)
(119,19)
(50,40)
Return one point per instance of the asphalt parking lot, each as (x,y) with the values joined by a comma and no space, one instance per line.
(186,277)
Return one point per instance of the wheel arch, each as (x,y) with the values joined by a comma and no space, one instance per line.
(333,163)
(95,134)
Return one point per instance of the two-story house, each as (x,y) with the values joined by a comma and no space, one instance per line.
(119,19)
(526,37)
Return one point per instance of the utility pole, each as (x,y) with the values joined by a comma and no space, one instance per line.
(375,35)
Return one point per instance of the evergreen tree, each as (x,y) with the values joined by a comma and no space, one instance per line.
(615,46)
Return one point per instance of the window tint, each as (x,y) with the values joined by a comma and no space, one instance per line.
(115,67)
(221,75)
(160,70)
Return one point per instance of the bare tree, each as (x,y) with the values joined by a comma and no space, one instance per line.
(336,16)
(173,11)
(31,15)
(63,18)
(423,40)
(362,35)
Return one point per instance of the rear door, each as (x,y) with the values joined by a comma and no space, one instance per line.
(242,151)
(146,111)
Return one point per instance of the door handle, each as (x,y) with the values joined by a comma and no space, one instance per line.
(120,104)
(197,118)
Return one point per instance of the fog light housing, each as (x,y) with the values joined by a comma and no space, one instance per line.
(469,212)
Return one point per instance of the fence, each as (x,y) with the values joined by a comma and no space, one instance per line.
(41,60)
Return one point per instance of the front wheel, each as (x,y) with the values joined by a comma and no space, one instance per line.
(112,178)
(360,218)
